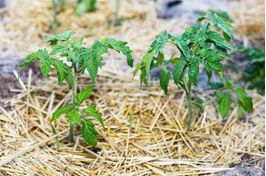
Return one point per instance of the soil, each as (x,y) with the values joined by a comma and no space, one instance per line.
(248,167)
(2,3)
(8,80)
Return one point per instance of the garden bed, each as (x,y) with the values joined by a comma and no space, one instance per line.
(145,130)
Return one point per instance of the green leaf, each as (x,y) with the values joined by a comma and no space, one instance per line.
(92,65)
(45,67)
(121,47)
(203,31)
(40,54)
(160,59)
(164,79)
(69,79)
(98,49)
(224,103)
(60,49)
(181,44)
(193,71)
(215,66)
(74,117)
(59,37)
(179,71)
(146,66)
(216,85)
(84,6)
(73,56)
(89,133)
(84,94)
(61,111)
(159,43)
(60,67)
(198,103)
(138,67)
(222,24)
(92,111)
(219,40)
(244,101)
(31,57)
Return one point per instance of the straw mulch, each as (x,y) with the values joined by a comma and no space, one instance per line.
(145,133)
(250,21)
(146,130)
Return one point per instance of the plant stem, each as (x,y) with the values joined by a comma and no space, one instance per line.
(74,92)
(55,10)
(189,104)
(117,20)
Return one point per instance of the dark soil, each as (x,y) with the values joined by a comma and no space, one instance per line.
(2,3)
(8,80)
(249,166)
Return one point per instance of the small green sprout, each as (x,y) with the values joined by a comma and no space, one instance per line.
(71,58)
(57,6)
(254,73)
(84,6)
(204,44)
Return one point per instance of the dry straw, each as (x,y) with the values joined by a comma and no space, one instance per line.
(146,130)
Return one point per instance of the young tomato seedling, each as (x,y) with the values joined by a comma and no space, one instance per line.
(84,6)
(206,43)
(71,58)
(57,6)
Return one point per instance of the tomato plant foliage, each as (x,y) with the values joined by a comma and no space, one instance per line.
(71,58)
(203,45)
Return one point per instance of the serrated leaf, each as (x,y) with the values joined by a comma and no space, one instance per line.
(218,40)
(224,103)
(159,43)
(89,133)
(182,45)
(98,49)
(178,71)
(222,24)
(84,94)
(215,66)
(59,37)
(31,57)
(73,56)
(203,30)
(61,110)
(91,63)
(61,70)
(193,71)
(216,85)
(45,67)
(164,79)
(92,111)
(74,117)
(59,49)
(244,101)
(121,47)
(40,54)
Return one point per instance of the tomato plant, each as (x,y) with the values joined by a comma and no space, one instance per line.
(205,44)
(71,58)
(254,73)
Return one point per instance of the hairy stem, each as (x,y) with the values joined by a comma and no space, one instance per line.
(74,92)
(117,21)
(189,105)
(54,13)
